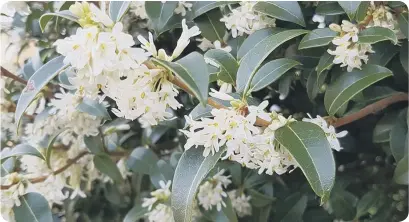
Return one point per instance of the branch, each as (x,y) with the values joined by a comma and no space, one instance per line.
(6,73)
(373,108)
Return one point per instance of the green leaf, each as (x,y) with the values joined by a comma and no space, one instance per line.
(210,25)
(22,149)
(235,44)
(271,72)
(200,112)
(191,170)
(259,199)
(192,70)
(343,204)
(36,82)
(350,7)
(312,90)
(229,210)
(401,174)
(325,63)
(309,146)
(94,108)
(371,199)
(200,7)
(8,166)
(376,34)
(403,23)
(117,9)
(94,144)
(404,56)
(291,209)
(136,213)
(284,85)
(317,38)
(161,171)
(227,63)
(362,10)
(383,128)
(46,17)
(329,8)
(254,58)
(160,14)
(34,207)
(261,214)
(346,86)
(142,160)
(227,214)
(255,38)
(49,150)
(286,11)
(108,167)
(398,135)
(384,52)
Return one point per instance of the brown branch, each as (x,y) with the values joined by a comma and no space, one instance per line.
(6,73)
(373,108)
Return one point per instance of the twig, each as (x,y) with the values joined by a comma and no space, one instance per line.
(6,73)
(373,108)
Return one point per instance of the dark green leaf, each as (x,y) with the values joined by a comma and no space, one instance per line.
(210,25)
(309,146)
(94,108)
(384,52)
(37,81)
(362,10)
(311,85)
(317,38)
(398,135)
(292,209)
(346,86)
(201,7)
(287,11)
(45,18)
(191,170)
(136,213)
(284,85)
(235,45)
(254,39)
(94,144)
(117,9)
(371,199)
(271,72)
(227,63)
(329,8)
(160,14)
(22,149)
(108,167)
(325,63)
(142,160)
(401,174)
(261,214)
(259,199)
(199,112)
(34,207)
(192,70)
(403,23)
(383,128)
(229,210)
(377,34)
(404,56)
(350,7)
(343,204)
(254,58)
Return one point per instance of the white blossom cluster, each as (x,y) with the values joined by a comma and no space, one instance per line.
(348,51)
(251,146)
(240,202)
(159,210)
(243,20)
(211,192)
(381,16)
(106,63)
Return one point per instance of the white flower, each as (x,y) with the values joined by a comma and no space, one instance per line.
(240,202)
(225,87)
(382,17)
(161,212)
(182,6)
(320,19)
(100,16)
(220,95)
(184,38)
(332,135)
(206,44)
(162,195)
(211,192)
(138,8)
(148,46)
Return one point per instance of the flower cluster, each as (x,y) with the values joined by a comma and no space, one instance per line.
(211,192)
(159,210)
(348,51)
(240,202)
(380,15)
(243,20)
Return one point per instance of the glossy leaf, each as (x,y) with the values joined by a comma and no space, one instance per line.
(309,146)
(255,38)
(44,19)
(37,81)
(376,34)
(346,86)
(317,38)
(403,23)
(160,14)
(192,70)
(284,85)
(161,171)
(210,25)
(8,166)
(254,58)
(292,208)
(384,52)
(200,7)
(350,7)
(398,135)
(191,170)
(227,63)
(108,167)
(20,150)
(34,207)
(371,199)
(94,144)
(329,8)
(325,63)
(401,174)
(117,9)
(362,10)
(383,128)
(404,56)
(343,204)
(271,72)
(259,199)
(94,108)
(200,112)
(287,11)
(142,160)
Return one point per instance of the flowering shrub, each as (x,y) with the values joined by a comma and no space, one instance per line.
(204,111)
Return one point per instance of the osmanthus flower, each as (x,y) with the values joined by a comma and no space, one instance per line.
(240,202)
(243,20)
(319,19)
(138,9)
(205,45)
(211,192)
(90,15)
(381,16)
(332,135)
(10,197)
(348,51)
(182,6)
(159,211)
